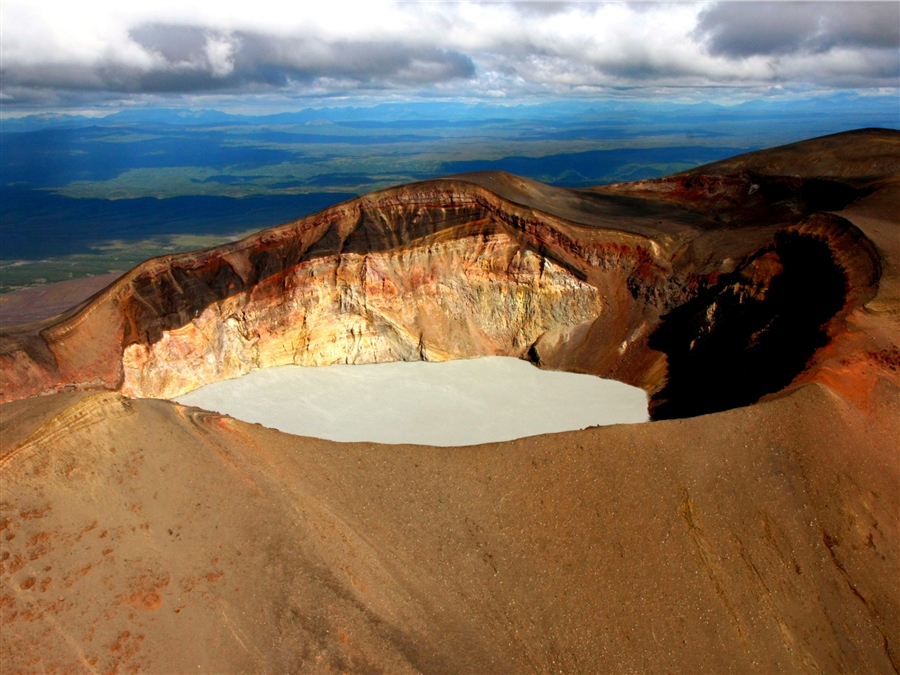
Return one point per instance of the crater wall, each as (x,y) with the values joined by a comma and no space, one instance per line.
(703,316)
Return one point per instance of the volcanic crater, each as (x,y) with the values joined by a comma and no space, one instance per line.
(709,298)
(771,277)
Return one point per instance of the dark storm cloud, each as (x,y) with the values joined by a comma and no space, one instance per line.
(174,43)
(741,29)
(261,60)
(191,59)
(108,75)
(266,59)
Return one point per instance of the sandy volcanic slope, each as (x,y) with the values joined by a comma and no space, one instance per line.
(142,535)
(36,304)
(157,538)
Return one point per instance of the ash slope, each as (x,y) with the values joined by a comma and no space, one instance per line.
(143,535)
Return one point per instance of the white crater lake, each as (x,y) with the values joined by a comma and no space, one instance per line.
(461,402)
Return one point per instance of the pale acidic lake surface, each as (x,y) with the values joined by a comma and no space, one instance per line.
(452,403)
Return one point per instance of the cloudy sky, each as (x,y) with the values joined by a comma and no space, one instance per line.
(223,54)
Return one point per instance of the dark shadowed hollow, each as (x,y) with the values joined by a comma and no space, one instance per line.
(735,343)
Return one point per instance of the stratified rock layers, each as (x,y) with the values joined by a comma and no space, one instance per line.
(435,271)
(479,295)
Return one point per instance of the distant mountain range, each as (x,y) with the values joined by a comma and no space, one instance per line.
(882,109)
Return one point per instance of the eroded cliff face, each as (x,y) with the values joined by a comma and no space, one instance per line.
(460,298)
(433,271)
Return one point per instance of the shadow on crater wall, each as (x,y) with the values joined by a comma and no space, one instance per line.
(751,333)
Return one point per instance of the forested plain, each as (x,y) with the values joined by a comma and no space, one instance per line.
(83,195)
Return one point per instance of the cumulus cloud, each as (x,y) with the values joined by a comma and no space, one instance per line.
(192,58)
(741,29)
(114,49)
